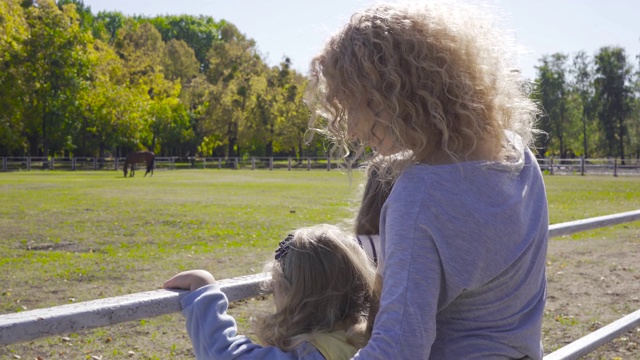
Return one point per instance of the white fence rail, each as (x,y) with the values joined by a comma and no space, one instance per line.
(33,324)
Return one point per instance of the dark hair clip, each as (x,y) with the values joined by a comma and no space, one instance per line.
(284,247)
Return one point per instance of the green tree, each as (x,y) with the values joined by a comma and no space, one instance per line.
(613,90)
(56,70)
(13,33)
(551,90)
(199,32)
(179,62)
(196,96)
(582,84)
(84,12)
(234,65)
(106,24)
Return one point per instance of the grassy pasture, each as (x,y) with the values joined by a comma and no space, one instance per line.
(77,236)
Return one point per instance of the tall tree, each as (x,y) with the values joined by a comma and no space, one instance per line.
(613,90)
(199,32)
(179,62)
(56,69)
(106,24)
(233,65)
(582,84)
(551,91)
(13,33)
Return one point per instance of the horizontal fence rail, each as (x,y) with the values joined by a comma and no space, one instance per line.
(33,324)
(577,166)
(594,340)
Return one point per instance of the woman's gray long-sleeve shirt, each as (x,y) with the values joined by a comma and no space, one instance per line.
(463,262)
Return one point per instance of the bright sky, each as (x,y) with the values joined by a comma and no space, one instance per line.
(298,28)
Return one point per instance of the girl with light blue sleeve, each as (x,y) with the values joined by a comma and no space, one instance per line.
(321,281)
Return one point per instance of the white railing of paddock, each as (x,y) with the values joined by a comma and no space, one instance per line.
(33,324)
(583,166)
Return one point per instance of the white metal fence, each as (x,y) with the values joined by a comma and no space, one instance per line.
(33,324)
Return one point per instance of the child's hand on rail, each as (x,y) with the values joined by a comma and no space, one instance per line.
(190,280)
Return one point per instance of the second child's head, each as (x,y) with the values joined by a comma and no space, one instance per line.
(433,79)
(321,281)
(381,175)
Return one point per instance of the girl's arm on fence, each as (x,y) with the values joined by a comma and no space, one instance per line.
(214,335)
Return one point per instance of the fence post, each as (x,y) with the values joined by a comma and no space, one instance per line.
(219,163)
(582,161)
(73,163)
(115,166)
(204,163)
(550,166)
(615,167)
(4,164)
(328,163)
(271,163)
(237,163)
(52,163)
(308,164)
(28,163)
(289,163)
(253,163)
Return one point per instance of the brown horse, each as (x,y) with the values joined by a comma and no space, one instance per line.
(146,157)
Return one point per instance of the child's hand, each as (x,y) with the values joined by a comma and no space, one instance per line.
(190,280)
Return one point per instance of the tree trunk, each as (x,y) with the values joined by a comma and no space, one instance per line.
(45,140)
(584,136)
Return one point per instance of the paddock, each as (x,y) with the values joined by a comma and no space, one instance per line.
(33,324)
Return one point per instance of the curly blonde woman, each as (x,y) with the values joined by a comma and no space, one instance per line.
(322,283)
(463,233)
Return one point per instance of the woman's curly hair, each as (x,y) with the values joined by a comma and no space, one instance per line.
(435,77)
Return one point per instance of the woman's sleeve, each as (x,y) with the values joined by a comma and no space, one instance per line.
(405,326)
(214,335)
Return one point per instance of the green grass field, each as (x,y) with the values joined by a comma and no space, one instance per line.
(77,236)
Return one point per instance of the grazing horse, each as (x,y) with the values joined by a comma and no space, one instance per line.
(146,157)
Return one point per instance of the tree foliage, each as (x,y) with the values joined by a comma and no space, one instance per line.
(589,104)
(83,84)
(75,83)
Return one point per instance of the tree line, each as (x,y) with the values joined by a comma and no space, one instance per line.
(83,84)
(591,104)
(75,83)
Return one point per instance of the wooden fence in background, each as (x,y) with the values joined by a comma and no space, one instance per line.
(550,166)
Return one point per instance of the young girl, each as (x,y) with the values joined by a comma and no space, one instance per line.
(321,283)
(464,231)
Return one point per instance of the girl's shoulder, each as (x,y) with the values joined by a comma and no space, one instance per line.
(333,345)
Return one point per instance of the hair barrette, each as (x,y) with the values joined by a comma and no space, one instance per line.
(283,247)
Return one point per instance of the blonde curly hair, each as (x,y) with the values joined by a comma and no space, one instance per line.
(435,77)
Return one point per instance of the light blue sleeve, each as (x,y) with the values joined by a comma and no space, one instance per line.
(214,335)
(405,326)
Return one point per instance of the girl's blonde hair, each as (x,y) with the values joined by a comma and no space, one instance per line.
(435,77)
(323,283)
